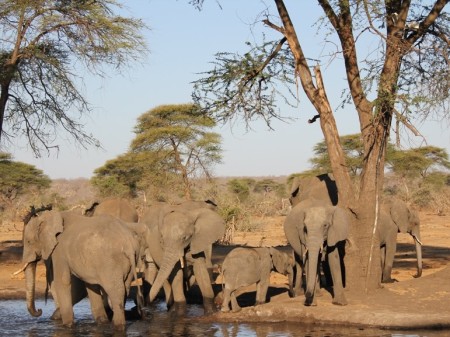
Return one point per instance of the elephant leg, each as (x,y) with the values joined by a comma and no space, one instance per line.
(62,287)
(178,287)
(97,304)
(298,284)
(262,287)
(391,248)
(261,291)
(150,273)
(78,292)
(382,257)
(204,282)
(168,293)
(209,265)
(336,275)
(226,300)
(234,303)
(116,291)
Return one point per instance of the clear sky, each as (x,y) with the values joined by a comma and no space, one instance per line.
(182,44)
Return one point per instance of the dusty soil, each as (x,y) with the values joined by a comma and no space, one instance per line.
(410,303)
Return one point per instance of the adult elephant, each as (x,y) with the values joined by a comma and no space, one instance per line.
(397,217)
(321,187)
(119,207)
(100,251)
(318,231)
(178,232)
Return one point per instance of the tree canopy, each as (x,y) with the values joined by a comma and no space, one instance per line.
(404,70)
(173,145)
(18,178)
(44,46)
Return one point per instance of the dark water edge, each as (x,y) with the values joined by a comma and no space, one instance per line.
(15,321)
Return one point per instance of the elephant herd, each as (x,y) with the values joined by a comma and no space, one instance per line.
(100,253)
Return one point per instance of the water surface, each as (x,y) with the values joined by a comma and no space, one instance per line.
(15,321)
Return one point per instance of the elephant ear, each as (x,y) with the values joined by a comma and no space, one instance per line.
(338,230)
(293,228)
(209,227)
(400,214)
(295,190)
(281,261)
(51,225)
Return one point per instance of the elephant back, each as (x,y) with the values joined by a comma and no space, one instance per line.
(118,207)
(322,187)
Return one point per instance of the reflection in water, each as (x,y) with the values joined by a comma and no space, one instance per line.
(15,321)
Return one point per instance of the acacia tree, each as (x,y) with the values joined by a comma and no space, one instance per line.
(410,71)
(173,145)
(44,44)
(18,178)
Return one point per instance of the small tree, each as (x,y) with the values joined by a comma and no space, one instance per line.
(173,144)
(18,178)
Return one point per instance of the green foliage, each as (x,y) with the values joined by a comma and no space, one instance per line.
(418,162)
(268,186)
(18,178)
(44,43)
(244,84)
(173,146)
(353,148)
(240,187)
(110,186)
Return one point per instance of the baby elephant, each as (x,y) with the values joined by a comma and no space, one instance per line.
(246,266)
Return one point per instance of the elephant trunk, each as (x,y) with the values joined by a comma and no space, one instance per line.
(30,280)
(170,258)
(311,276)
(419,254)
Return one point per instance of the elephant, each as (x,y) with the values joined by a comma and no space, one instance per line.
(244,266)
(179,237)
(397,217)
(100,251)
(118,207)
(316,230)
(322,187)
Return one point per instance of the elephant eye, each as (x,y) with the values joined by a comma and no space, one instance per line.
(305,230)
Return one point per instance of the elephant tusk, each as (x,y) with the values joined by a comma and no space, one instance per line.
(21,270)
(417,239)
(182,263)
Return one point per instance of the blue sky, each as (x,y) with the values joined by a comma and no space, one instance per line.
(182,43)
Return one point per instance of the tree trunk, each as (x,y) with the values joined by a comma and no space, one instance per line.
(3,102)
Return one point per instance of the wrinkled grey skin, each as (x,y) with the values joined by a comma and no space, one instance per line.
(321,187)
(316,230)
(119,207)
(100,251)
(397,217)
(176,233)
(245,266)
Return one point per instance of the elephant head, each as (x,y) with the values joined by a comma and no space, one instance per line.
(407,221)
(39,241)
(309,227)
(182,230)
(284,264)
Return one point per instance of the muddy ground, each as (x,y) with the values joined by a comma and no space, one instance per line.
(410,303)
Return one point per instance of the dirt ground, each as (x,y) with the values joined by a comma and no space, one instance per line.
(410,303)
